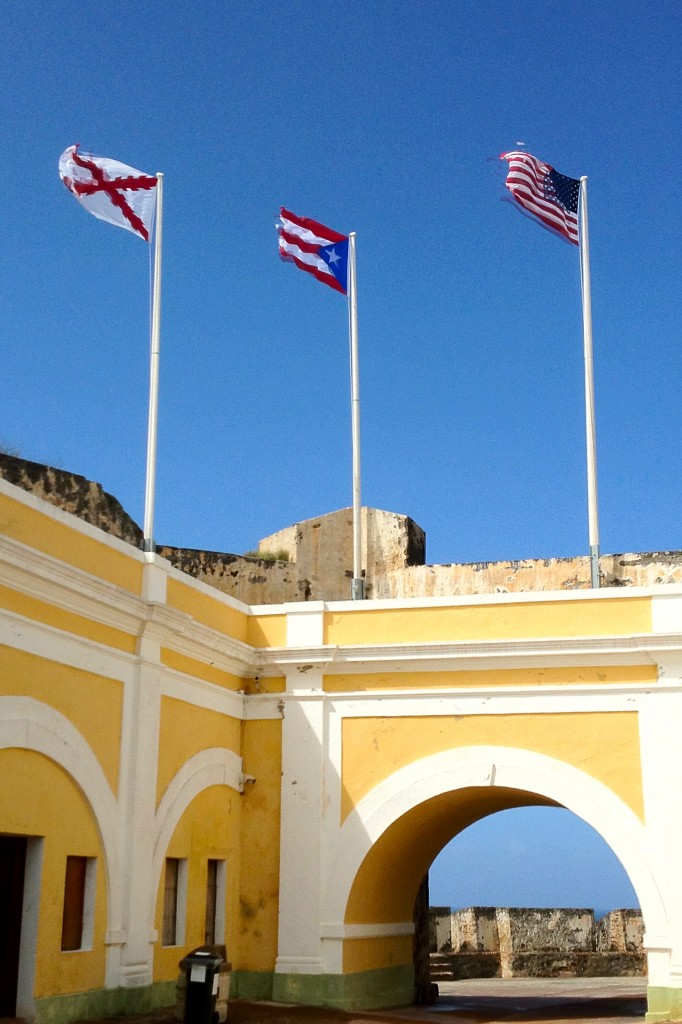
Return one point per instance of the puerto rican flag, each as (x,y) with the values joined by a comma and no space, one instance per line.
(110,190)
(318,250)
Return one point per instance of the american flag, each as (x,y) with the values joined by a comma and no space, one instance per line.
(318,250)
(548,197)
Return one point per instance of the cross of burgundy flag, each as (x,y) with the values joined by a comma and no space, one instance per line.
(546,196)
(110,190)
(314,248)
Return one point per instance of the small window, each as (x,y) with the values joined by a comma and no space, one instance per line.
(79,903)
(173,932)
(214,930)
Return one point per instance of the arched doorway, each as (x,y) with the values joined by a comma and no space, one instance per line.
(519,900)
(396,831)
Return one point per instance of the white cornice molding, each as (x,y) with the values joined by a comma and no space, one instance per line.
(65,648)
(175,629)
(466,700)
(545,652)
(70,589)
(40,576)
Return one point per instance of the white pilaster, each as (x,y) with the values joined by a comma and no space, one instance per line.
(305,624)
(303,731)
(131,954)
(661,758)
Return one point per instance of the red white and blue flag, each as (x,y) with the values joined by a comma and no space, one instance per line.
(110,190)
(318,250)
(546,196)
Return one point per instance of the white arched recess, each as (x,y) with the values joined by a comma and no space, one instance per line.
(216,766)
(505,767)
(27,724)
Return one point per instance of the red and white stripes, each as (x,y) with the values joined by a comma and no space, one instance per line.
(531,183)
(300,239)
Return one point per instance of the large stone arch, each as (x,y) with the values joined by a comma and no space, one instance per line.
(518,776)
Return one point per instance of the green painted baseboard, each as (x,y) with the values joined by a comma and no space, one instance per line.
(108,1002)
(366,990)
(251,985)
(663,1003)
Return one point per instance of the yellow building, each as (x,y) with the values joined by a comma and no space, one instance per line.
(177,767)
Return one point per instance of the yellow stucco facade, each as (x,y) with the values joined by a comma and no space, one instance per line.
(280,778)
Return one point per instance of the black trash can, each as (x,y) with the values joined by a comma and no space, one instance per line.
(202,969)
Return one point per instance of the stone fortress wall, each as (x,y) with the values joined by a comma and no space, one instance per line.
(512,942)
(312,560)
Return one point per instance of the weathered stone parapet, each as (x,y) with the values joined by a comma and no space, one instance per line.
(313,560)
(72,493)
(440,929)
(620,931)
(322,549)
(252,580)
(475,928)
(529,575)
(521,928)
(511,942)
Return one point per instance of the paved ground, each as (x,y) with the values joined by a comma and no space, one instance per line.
(492,1000)
(485,1001)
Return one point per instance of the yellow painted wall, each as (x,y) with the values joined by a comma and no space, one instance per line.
(262,753)
(206,608)
(186,730)
(200,670)
(616,616)
(85,699)
(603,744)
(37,798)
(570,676)
(42,532)
(386,885)
(50,615)
(267,630)
(372,954)
(209,829)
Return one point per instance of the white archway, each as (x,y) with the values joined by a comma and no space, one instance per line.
(505,767)
(216,766)
(27,724)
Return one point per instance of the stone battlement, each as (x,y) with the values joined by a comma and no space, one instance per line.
(312,560)
(511,942)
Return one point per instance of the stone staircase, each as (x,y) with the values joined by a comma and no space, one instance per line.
(440,967)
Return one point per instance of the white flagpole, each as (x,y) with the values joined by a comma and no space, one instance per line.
(357,583)
(590,430)
(155,344)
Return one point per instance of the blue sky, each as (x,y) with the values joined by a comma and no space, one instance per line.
(530,857)
(379,117)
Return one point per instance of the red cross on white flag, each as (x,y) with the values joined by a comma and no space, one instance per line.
(110,190)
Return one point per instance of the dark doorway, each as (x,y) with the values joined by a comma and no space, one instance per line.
(12,868)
